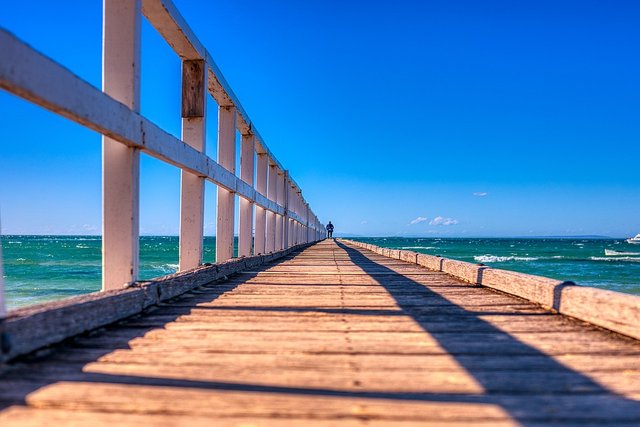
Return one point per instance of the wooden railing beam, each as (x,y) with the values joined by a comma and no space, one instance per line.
(40,80)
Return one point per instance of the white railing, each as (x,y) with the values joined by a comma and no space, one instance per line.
(282,216)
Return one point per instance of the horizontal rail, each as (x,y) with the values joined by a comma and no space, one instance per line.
(40,80)
(611,310)
(114,113)
(168,21)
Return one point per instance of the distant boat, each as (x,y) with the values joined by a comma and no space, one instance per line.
(634,240)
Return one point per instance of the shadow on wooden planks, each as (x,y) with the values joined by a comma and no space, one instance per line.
(548,392)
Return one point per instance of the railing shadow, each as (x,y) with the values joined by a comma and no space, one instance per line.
(28,373)
(512,396)
(540,399)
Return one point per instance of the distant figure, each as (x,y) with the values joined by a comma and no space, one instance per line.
(330,230)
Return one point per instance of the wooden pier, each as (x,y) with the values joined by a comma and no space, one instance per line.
(295,329)
(333,335)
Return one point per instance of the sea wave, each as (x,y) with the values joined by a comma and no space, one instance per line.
(164,268)
(418,247)
(616,259)
(495,258)
(609,252)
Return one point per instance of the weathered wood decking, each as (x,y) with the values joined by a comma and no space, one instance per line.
(334,335)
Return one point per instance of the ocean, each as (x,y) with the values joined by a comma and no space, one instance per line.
(603,263)
(45,268)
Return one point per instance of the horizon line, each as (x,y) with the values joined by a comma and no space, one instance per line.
(342,235)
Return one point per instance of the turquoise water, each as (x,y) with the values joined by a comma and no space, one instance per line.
(45,268)
(580,260)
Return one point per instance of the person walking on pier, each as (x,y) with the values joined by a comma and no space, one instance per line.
(330,230)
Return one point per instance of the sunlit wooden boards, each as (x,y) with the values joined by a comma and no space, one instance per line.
(334,335)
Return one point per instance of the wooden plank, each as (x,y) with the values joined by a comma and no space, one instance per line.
(246,400)
(45,324)
(452,378)
(314,348)
(419,363)
(615,311)
(26,417)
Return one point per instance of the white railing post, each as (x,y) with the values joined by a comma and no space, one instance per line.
(285,220)
(245,231)
(292,223)
(300,216)
(120,163)
(5,345)
(194,86)
(271,216)
(289,209)
(3,303)
(280,218)
(261,213)
(308,228)
(226,199)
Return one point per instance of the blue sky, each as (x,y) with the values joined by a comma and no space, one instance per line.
(467,118)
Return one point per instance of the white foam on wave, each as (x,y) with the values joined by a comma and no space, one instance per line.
(165,268)
(418,247)
(609,252)
(495,258)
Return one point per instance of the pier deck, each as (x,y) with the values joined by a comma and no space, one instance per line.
(333,335)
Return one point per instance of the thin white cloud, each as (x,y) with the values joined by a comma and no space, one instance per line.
(480,194)
(418,220)
(364,222)
(440,220)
